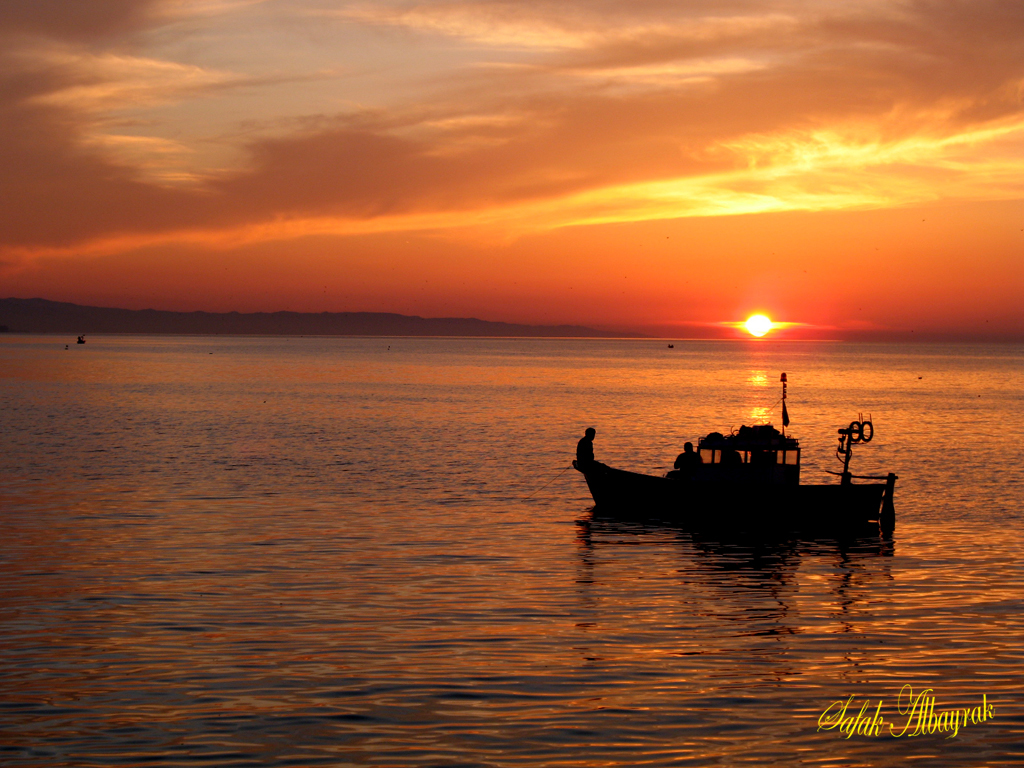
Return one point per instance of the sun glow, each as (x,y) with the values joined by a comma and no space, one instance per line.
(758,325)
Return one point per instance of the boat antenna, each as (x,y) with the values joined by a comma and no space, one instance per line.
(785,413)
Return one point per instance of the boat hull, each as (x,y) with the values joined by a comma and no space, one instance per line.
(735,503)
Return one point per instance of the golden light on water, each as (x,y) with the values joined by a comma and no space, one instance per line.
(758,325)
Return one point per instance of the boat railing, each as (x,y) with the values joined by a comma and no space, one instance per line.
(860,477)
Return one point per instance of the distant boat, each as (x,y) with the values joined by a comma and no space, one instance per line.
(671,346)
(81,340)
(750,479)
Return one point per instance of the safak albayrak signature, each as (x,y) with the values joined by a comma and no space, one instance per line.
(918,710)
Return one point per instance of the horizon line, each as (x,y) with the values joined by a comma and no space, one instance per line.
(639,332)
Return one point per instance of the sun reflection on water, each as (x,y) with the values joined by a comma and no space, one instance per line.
(759,415)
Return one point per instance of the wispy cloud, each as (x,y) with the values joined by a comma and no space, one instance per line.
(558,26)
(107,82)
(157,159)
(815,171)
(501,118)
(668,73)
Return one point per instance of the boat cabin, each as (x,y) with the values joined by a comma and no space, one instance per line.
(759,454)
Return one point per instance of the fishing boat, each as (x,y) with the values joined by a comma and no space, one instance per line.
(751,478)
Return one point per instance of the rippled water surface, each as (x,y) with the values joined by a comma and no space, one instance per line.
(312,551)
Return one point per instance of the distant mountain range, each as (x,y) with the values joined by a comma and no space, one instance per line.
(43,316)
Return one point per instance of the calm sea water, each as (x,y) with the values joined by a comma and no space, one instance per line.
(320,551)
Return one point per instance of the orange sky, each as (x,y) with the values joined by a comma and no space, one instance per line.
(653,165)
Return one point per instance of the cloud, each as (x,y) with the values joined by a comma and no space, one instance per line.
(669,73)
(357,184)
(548,26)
(614,112)
(107,82)
(155,159)
(79,21)
(92,21)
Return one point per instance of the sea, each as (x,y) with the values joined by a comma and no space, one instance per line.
(288,551)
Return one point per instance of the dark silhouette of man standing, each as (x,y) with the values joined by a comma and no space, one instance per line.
(585,449)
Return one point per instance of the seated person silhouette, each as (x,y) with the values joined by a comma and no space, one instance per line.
(585,449)
(686,462)
(731,457)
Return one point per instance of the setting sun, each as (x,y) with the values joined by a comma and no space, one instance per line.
(758,325)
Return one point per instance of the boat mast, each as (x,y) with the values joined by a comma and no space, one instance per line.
(785,413)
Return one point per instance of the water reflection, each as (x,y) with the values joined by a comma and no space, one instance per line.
(764,581)
(310,552)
